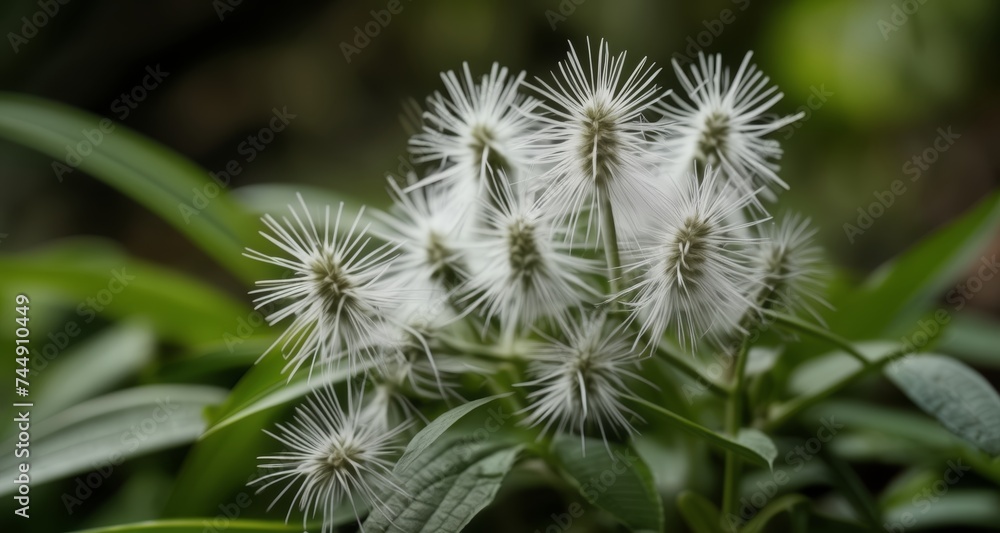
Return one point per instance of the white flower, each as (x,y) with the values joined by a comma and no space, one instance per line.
(337,294)
(792,266)
(429,228)
(725,124)
(332,455)
(475,129)
(579,383)
(523,267)
(694,264)
(595,142)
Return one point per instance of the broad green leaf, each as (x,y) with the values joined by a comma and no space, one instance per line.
(904,289)
(619,483)
(958,396)
(445,487)
(973,338)
(99,280)
(760,443)
(956,507)
(701,515)
(197,525)
(751,445)
(152,174)
(94,366)
(107,430)
(433,431)
(786,503)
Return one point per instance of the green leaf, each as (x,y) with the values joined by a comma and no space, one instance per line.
(265,387)
(153,175)
(98,279)
(94,366)
(973,338)
(107,430)
(274,199)
(701,515)
(619,483)
(196,525)
(786,503)
(903,290)
(955,508)
(433,431)
(958,396)
(760,443)
(445,487)
(750,445)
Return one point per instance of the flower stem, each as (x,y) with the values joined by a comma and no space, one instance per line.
(670,356)
(610,235)
(734,420)
(802,326)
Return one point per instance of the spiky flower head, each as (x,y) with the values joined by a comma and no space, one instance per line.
(578,383)
(523,267)
(429,227)
(725,124)
(595,141)
(791,265)
(474,129)
(337,293)
(693,268)
(331,454)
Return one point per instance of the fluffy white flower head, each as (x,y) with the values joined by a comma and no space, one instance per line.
(693,265)
(524,270)
(725,123)
(595,140)
(331,454)
(429,228)
(476,127)
(336,294)
(579,383)
(792,266)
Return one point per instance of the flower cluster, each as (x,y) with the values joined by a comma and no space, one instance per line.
(567,226)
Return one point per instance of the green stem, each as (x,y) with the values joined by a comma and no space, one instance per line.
(852,488)
(610,235)
(802,326)
(734,420)
(670,356)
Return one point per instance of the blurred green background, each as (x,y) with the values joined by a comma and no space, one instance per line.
(877,89)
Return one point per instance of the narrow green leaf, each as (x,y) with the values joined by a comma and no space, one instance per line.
(274,199)
(445,487)
(196,525)
(109,429)
(903,290)
(619,483)
(782,504)
(701,515)
(153,175)
(94,366)
(958,396)
(97,279)
(433,431)
(752,448)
